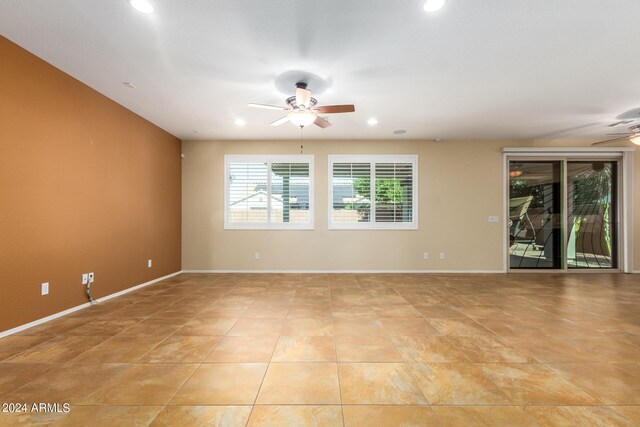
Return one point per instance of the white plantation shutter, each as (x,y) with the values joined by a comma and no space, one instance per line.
(290,193)
(268,192)
(350,205)
(247,192)
(394,192)
(354,202)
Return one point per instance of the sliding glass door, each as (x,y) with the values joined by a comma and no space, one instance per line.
(535,226)
(563,214)
(592,199)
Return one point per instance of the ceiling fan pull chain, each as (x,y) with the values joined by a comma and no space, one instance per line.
(301,140)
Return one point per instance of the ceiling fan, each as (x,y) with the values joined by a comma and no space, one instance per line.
(633,136)
(302,110)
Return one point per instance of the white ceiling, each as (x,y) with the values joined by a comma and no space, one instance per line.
(479,69)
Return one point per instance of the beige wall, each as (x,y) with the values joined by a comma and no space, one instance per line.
(460,185)
(85,185)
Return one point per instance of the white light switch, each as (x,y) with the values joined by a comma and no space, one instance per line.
(149,263)
(494,219)
(425,255)
(44,289)
(257,255)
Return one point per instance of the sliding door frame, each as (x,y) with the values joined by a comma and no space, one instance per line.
(624,214)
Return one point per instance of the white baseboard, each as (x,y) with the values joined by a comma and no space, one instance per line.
(81,306)
(348,271)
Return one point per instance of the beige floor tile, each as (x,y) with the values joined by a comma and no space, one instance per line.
(366,349)
(632,368)
(605,382)
(15,375)
(58,350)
(428,349)
(207,327)
(298,416)
(54,327)
(196,416)
(161,328)
(244,349)
(220,312)
(309,313)
(99,416)
(459,327)
(400,311)
(457,384)
(379,383)
(16,344)
(300,383)
(120,349)
(548,349)
(265,313)
(408,327)
(152,384)
(488,349)
(256,327)
(103,327)
(67,383)
(358,327)
(571,416)
(535,384)
(304,349)
(486,416)
(181,349)
(607,349)
(222,384)
(385,416)
(439,311)
(632,413)
(308,327)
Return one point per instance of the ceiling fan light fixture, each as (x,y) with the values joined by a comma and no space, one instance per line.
(431,6)
(635,139)
(142,6)
(301,117)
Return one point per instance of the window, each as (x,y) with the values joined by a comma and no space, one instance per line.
(390,203)
(269,192)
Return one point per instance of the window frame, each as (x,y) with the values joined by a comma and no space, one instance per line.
(269,159)
(373,160)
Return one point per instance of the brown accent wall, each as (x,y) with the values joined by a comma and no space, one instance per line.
(85,185)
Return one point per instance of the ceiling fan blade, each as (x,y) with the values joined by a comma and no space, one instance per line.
(280,121)
(303,97)
(323,123)
(266,106)
(331,109)
(609,140)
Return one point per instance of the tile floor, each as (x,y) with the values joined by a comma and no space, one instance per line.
(332,350)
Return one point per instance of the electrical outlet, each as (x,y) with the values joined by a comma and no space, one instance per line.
(91,277)
(149,263)
(44,289)
(85,279)
(441,255)
(257,256)
(494,219)
(425,255)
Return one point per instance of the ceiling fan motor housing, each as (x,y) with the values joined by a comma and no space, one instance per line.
(291,102)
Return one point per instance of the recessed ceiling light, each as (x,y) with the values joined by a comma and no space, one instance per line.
(372,121)
(399,132)
(240,122)
(142,6)
(433,5)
